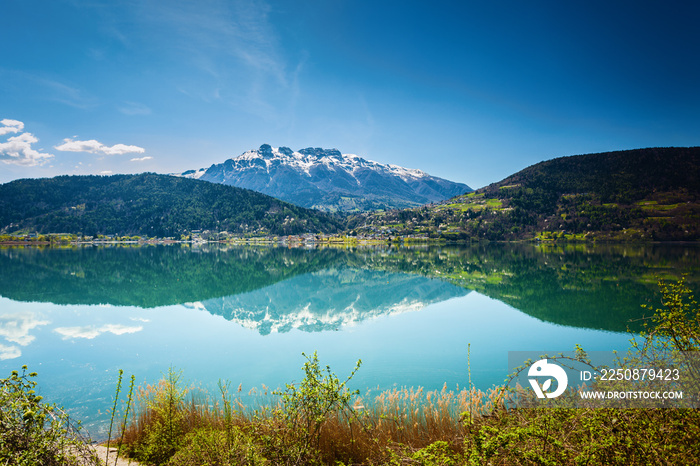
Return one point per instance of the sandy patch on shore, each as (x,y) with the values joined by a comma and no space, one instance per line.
(101,451)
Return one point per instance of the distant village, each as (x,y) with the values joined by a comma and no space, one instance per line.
(207,236)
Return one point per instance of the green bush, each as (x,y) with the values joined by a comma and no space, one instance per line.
(206,446)
(306,407)
(438,453)
(34,433)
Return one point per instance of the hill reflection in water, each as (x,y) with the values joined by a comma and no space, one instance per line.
(276,289)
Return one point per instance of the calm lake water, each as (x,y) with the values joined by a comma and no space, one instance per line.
(78,315)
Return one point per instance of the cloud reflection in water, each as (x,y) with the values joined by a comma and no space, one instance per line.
(89,332)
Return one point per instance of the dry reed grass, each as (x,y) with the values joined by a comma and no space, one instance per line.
(367,431)
(397,426)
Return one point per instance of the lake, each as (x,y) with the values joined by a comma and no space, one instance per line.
(76,315)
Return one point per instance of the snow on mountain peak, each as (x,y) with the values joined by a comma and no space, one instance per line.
(329,180)
(194,174)
(305,159)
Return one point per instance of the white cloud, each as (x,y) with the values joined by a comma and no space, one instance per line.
(106,172)
(16,327)
(9,352)
(80,146)
(141,159)
(18,149)
(96,147)
(90,332)
(10,126)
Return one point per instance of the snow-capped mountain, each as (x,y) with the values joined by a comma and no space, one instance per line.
(329,299)
(328,180)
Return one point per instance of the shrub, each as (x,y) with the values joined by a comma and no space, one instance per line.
(34,433)
(611,435)
(672,334)
(306,407)
(438,453)
(207,446)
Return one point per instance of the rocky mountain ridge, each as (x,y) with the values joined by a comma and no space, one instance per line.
(328,180)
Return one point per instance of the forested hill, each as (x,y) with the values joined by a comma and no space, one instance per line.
(148,205)
(642,194)
(620,177)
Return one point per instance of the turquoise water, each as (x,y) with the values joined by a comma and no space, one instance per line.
(76,316)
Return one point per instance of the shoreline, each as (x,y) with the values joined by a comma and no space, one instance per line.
(349,241)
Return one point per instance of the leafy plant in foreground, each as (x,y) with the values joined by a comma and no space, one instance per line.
(308,405)
(164,427)
(34,433)
(672,334)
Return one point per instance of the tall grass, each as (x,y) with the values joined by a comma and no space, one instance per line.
(413,426)
(409,426)
(368,429)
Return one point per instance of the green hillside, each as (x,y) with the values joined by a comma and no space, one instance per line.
(643,194)
(148,205)
(148,276)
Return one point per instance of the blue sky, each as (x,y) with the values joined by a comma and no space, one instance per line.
(469,91)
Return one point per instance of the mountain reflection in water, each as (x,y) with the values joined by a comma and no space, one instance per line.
(329,299)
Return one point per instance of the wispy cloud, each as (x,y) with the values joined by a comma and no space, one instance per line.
(234,44)
(18,149)
(15,328)
(65,94)
(240,28)
(141,159)
(95,147)
(134,108)
(91,332)
(39,86)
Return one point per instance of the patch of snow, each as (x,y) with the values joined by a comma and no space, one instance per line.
(194,174)
(349,163)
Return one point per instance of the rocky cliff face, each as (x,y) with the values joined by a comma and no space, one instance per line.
(327,180)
